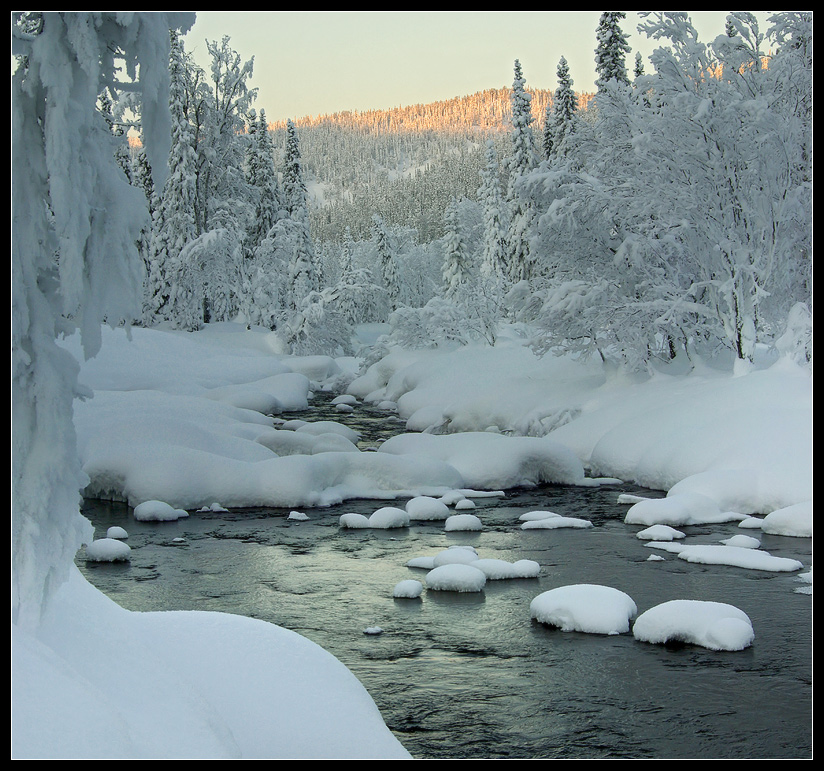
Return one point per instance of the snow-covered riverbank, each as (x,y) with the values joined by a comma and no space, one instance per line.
(181,418)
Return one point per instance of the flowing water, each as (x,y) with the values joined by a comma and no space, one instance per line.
(471,675)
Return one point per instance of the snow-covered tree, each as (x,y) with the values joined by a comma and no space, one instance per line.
(166,297)
(689,225)
(611,50)
(494,252)
(75,224)
(292,233)
(262,178)
(457,264)
(221,105)
(387,263)
(522,160)
(563,118)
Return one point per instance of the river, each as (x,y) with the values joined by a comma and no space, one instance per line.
(463,676)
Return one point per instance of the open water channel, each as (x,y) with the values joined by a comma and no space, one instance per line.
(470,675)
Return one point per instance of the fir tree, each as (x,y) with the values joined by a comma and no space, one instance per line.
(522,161)
(611,50)
(169,291)
(562,121)
(386,261)
(494,252)
(639,65)
(303,266)
(262,178)
(457,262)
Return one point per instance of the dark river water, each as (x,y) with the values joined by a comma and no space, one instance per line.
(471,675)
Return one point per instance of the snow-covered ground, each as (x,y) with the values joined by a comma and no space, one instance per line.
(181,419)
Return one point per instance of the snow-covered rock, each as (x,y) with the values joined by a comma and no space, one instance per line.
(714,625)
(555,522)
(388,517)
(456,577)
(795,520)
(742,541)
(735,556)
(425,507)
(588,608)
(659,533)
(354,520)
(498,569)
(108,550)
(158,511)
(458,554)
(463,522)
(407,589)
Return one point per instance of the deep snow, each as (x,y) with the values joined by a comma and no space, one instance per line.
(179,418)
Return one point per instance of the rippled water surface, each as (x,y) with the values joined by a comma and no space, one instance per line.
(471,675)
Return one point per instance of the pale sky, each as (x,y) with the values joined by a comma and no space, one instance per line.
(322,62)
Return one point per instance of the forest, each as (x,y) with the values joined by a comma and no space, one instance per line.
(669,212)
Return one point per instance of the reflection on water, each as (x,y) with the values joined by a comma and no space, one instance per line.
(471,675)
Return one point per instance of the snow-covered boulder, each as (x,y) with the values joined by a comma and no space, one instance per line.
(736,556)
(659,533)
(407,589)
(795,520)
(117,532)
(457,554)
(463,522)
(588,608)
(555,522)
(426,563)
(498,569)
(456,578)
(425,507)
(158,511)
(354,521)
(389,517)
(742,541)
(713,625)
(108,550)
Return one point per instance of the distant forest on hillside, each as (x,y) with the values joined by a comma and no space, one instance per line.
(405,163)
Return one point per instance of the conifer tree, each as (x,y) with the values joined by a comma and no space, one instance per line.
(169,290)
(611,50)
(639,65)
(522,161)
(294,235)
(457,262)
(562,121)
(386,261)
(494,253)
(262,178)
